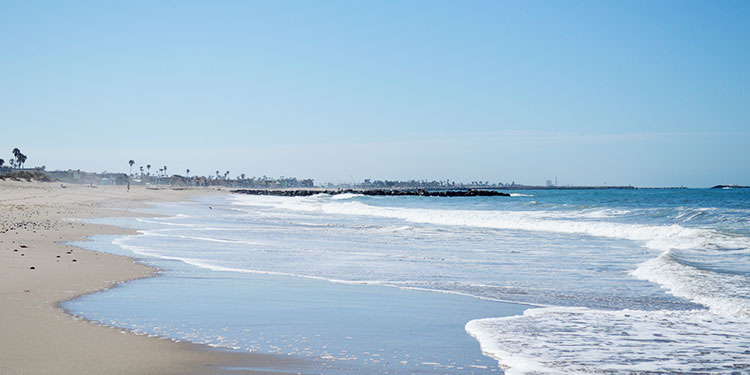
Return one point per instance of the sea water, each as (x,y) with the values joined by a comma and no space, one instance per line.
(551,281)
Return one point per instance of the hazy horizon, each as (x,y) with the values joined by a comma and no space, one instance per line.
(591,93)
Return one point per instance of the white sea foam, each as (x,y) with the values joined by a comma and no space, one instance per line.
(345,196)
(583,341)
(199,238)
(724,294)
(142,251)
(213,266)
(663,237)
(520,195)
(153,221)
(578,340)
(219,266)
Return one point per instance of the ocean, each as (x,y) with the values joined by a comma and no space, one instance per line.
(647,281)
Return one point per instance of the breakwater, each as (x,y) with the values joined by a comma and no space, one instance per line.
(375,192)
(730,187)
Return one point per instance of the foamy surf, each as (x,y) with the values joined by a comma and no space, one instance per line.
(661,285)
(520,195)
(726,295)
(656,237)
(583,341)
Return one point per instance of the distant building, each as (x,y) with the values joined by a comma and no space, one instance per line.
(80,177)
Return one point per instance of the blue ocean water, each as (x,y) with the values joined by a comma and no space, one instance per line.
(551,281)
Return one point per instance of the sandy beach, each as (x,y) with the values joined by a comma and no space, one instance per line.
(37,272)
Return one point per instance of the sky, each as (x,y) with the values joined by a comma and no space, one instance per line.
(643,93)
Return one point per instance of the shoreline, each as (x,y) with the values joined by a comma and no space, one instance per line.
(325,331)
(39,271)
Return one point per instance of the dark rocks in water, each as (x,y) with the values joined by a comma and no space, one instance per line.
(375,192)
(730,187)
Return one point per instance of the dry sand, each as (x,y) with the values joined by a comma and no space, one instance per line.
(37,272)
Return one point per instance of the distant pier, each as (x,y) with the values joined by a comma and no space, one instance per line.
(373,192)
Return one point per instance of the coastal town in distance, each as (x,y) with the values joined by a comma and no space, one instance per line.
(150,175)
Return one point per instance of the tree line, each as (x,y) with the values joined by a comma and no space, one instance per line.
(17,161)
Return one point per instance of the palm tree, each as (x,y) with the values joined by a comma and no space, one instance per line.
(218,175)
(165,171)
(187,172)
(20,158)
(148,167)
(2,162)
(131,162)
(226,174)
(16,151)
(242,176)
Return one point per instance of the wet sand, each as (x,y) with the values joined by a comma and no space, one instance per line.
(37,272)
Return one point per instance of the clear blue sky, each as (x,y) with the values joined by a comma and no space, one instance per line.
(649,93)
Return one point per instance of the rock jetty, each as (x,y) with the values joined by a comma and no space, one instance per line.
(375,192)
